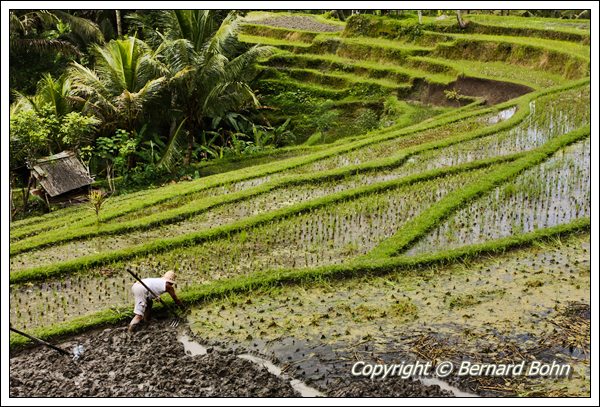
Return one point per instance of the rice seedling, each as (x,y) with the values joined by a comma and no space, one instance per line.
(553,193)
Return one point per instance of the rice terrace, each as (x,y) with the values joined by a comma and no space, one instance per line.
(333,189)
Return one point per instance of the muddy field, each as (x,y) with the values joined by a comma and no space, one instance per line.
(149,363)
(154,363)
(431,314)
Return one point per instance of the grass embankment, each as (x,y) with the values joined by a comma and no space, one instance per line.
(295,46)
(162,245)
(550,28)
(131,202)
(197,207)
(274,278)
(567,59)
(565,53)
(371,69)
(200,205)
(432,216)
(280,33)
(545,28)
(561,47)
(410,233)
(116,209)
(493,70)
(341,80)
(69,216)
(365,49)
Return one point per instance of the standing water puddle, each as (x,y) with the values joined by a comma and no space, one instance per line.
(193,348)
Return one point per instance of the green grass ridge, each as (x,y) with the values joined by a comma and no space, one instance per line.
(217,180)
(177,214)
(161,245)
(273,278)
(381,56)
(431,217)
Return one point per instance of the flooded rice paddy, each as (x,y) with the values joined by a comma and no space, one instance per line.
(553,193)
(439,313)
(325,236)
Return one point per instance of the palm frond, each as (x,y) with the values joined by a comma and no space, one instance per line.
(22,103)
(223,39)
(42,46)
(88,86)
(172,151)
(83,27)
(241,67)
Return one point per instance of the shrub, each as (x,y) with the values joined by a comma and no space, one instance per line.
(366,119)
(392,110)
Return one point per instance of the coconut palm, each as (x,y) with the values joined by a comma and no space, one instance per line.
(209,69)
(43,41)
(126,77)
(55,93)
(34,31)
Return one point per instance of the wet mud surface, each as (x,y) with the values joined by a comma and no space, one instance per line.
(154,363)
(526,305)
(148,363)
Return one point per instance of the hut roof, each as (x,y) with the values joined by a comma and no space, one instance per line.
(60,173)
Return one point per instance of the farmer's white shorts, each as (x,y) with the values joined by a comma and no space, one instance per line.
(141,299)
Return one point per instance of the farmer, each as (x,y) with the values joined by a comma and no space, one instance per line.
(143,297)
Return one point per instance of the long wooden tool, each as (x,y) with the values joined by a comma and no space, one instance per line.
(38,340)
(177,319)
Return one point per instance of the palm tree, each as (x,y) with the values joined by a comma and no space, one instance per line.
(31,31)
(126,77)
(45,41)
(209,70)
(56,93)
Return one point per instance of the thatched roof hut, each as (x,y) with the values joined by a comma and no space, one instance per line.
(60,173)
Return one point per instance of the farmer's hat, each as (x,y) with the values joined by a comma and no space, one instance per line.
(169,276)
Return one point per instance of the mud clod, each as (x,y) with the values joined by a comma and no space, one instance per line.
(149,363)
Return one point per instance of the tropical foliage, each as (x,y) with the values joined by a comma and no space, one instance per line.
(174,88)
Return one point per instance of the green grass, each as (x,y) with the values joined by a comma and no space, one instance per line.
(286,44)
(273,278)
(369,68)
(342,78)
(550,47)
(580,27)
(162,245)
(198,206)
(517,51)
(431,217)
(279,33)
(364,48)
(564,47)
(385,43)
(130,203)
(81,231)
(494,70)
(283,83)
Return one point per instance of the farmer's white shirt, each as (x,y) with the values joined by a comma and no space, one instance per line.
(158,285)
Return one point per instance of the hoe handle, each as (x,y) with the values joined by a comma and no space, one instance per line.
(153,293)
(145,286)
(33,338)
